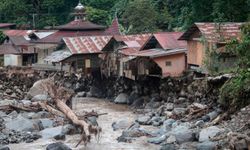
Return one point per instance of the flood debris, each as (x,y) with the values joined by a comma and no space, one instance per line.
(171,112)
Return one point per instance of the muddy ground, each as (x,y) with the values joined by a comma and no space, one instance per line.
(108,136)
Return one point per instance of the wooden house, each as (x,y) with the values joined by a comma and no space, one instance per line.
(158,55)
(206,46)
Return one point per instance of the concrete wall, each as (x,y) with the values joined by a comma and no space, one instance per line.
(178,64)
(12,60)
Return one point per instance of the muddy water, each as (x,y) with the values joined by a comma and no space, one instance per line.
(108,136)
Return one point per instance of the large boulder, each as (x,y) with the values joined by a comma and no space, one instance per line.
(143,119)
(51,132)
(183,134)
(37,88)
(122,99)
(121,124)
(69,129)
(206,146)
(57,146)
(208,133)
(46,123)
(21,124)
(157,140)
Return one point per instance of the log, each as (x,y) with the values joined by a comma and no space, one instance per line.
(60,96)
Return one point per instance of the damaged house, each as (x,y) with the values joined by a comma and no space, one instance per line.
(18,49)
(80,53)
(79,27)
(207,46)
(159,54)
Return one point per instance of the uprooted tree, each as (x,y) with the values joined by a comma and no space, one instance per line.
(60,96)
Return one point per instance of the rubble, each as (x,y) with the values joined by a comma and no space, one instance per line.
(183,111)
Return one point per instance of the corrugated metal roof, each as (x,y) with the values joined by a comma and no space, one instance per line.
(169,40)
(153,53)
(128,51)
(139,39)
(87,44)
(114,28)
(7,25)
(58,56)
(214,32)
(57,37)
(8,49)
(17,32)
(80,25)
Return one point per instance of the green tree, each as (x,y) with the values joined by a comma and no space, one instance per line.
(141,16)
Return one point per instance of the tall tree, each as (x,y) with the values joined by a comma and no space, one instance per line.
(141,16)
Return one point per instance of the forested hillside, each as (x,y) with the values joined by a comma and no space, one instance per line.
(134,15)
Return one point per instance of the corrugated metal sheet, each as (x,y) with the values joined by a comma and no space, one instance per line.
(80,25)
(17,32)
(8,49)
(128,51)
(114,28)
(139,39)
(58,56)
(87,44)
(7,25)
(153,53)
(169,40)
(214,32)
(59,35)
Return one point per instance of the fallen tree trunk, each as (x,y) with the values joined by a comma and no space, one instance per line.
(60,96)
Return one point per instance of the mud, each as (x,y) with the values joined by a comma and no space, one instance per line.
(108,136)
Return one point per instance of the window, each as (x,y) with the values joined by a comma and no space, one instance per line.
(168,63)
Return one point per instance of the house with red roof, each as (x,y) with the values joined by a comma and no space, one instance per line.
(207,46)
(6,26)
(132,56)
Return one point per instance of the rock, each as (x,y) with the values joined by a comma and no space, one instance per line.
(183,134)
(60,137)
(212,115)
(138,103)
(200,123)
(170,106)
(209,132)
(37,88)
(143,119)
(171,139)
(6,102)
(81,94)
(13,114)
(206,146)
(51,132)
(21,124)
(4,148)
(57,146)
(157,140)
(241,145)
(69,129)
(121,124)
(181,100)
(168,122)
(41,114)
(40,97)
(168,147)
(46,123)
(132,97)
(95,92)
(153,105)
(121,99)
(179,111)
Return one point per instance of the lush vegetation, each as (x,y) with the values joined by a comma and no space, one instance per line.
(235,93)
(135,15)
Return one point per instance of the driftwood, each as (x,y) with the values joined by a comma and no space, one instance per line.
(60,96)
